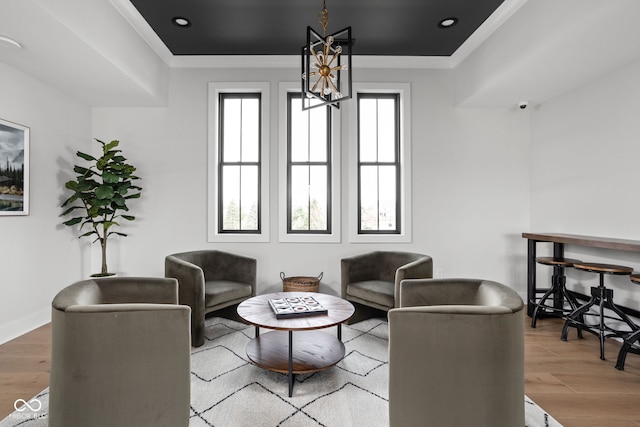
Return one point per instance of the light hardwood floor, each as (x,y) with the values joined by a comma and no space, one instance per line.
(25,363)
(568,379)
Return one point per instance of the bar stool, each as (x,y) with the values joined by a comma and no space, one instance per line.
(603,298)
(629,345)
(558,289)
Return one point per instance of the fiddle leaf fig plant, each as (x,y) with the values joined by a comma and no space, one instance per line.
(100,194)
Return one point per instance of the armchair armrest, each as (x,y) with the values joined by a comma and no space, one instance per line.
(190,282)
(451,291)
(114,290)
(126,308)
(419,269)
(151,290)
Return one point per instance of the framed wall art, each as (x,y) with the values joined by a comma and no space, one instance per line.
(14,169)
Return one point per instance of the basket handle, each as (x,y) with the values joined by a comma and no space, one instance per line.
(282,276)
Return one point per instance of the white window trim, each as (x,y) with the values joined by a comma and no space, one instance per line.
(334,236)
(215,89)
(404,89)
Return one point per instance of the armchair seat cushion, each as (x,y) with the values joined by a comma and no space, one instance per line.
(218,292)
(377,291)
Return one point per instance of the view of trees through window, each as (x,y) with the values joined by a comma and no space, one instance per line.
(239,163)
(309,168)
(378,163)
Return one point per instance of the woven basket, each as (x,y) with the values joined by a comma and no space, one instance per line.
(300,283)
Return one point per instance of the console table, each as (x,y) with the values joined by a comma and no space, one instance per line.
(559,240)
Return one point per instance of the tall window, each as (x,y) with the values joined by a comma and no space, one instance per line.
(239,154)
(309,172)
(308,168)
(379,166)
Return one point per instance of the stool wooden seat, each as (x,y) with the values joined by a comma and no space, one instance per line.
(558,290)
(603,298)
(629,344)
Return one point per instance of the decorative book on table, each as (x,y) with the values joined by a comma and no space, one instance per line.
(285,308)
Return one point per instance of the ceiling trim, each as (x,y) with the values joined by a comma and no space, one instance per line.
(292,61)
(488,27)
(131,14)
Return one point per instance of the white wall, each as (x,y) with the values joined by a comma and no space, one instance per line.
(38,255)
(470,182)
(549,47)
(584,172)
(470,188)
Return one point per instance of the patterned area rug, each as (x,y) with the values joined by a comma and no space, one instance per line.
(228,391)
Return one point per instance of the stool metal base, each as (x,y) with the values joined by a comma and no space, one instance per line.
(603,299)
(629,346)
(558,291)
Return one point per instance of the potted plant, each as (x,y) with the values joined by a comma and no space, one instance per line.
(101,191)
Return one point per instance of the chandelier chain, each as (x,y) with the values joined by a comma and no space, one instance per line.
(323,17)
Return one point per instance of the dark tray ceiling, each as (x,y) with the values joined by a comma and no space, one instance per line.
(278,27)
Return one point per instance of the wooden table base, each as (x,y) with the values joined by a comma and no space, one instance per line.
(310,351)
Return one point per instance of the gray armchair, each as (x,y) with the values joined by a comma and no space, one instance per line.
(120,354)
(373,279)
(456,355)
(210,280)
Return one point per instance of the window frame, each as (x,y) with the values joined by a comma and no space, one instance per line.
(290,164)
(333,200)
(213,191)
(222,163)
(403,235)
(397,164)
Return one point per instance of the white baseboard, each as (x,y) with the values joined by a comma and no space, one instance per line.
(23,325)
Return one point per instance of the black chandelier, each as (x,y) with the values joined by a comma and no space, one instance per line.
(326,65)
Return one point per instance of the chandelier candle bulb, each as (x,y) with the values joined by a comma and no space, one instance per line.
(324,61)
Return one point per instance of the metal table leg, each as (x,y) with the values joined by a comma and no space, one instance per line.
(531,274)
(290,363)
(558,298)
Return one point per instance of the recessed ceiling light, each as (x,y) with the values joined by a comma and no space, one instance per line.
(448,22)
(181,22)
(9,42)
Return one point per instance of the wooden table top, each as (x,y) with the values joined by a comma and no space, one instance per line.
(258,312)
(593,241)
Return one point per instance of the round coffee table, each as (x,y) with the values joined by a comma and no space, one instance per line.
(309,350)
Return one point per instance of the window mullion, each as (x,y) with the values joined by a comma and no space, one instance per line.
(240,169)
(309,131)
